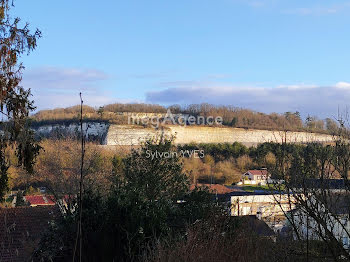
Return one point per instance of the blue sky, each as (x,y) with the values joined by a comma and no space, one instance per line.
(267,55)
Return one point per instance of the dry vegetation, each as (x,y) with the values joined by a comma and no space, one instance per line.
(65,113)
(232,239)
(58,167)
(58,164)
(206,170)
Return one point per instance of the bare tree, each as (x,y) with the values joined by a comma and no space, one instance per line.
(316,182)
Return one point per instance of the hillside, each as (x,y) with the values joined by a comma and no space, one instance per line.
(232,116)
(111,125)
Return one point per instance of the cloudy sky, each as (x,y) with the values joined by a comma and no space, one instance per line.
(266,55)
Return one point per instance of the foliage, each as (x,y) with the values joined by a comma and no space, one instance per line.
(31,191)
(15,103)
(58,166)
(148,192)
(196,169)
(148,199)
(142,108)
(223,238)
(219,152)
(19,199)
(223,163)
(316,181)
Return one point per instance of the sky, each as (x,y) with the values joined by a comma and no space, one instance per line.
(265,55)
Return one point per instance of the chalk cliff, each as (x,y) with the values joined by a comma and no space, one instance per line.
(133,135)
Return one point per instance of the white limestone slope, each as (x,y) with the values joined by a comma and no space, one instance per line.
(134,135)
(90,128)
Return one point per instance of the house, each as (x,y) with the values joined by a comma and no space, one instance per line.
(21,229)
(256,177)
(39,200)
(271,208)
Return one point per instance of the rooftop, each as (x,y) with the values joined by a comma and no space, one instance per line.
(20,230)
(39,200)
(257,172)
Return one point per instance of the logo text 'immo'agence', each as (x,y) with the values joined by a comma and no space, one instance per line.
(177,119)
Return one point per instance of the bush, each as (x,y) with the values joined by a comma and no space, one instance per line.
(149,199)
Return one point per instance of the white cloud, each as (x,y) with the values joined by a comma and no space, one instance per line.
(59,87)
(298,86)
(342,85)
(307,99)
(52,79)
(50,101)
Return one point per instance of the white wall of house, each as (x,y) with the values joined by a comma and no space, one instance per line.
(249,182)
(269,208)
(253,179)
(270,203)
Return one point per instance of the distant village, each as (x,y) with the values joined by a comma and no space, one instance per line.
(254,197)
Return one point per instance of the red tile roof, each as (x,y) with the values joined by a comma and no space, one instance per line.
(39,200)
(256,172)
(21,229)
(51,199)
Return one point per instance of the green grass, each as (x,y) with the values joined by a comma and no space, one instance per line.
(252,188)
